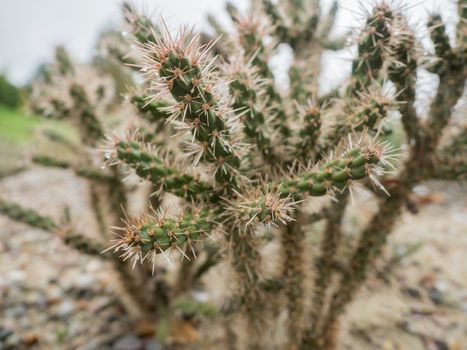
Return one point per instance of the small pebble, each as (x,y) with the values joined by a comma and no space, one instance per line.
(128,342)
(65,308)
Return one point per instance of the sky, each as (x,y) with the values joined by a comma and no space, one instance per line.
(30,29)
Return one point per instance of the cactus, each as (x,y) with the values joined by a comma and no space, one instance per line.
(74,240)
(241,156)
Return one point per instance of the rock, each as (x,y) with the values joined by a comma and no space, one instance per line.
(85,281)
(464,307)
(13,342)
(54,295)
(153,345)
(17,276)
(65,308)
(75,328)
(128,342)
(145,328)
(101,303)
(441,345)
(30,338)
(82,304)
(182,332)
(436,295)
(93,266)
(33,298)
(411,292)
(17,311)
(92,344)
(442,286)
(4,333)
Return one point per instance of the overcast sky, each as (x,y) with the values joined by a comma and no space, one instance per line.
(29,29)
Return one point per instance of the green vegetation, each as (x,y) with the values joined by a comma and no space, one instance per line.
(20,132)
(10,95)
(19,128)
(16,127)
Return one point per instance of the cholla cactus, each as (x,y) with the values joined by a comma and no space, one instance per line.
(241,157)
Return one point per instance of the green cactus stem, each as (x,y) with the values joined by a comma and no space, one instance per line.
(144,237)
(451,163)
(27,216)
(183,70)
(156,111)
(82,171)
(90,126)
(76,241)
(49,161)
(273,203)
(403,72)
(163,177)
(462,25)
(140,25)
(251,32)
(372,47)
(324,264)
(333,175)
(246,262)
(64,63)
(280,29)
(439,37)
(310,130)
(293,238)
(247,93)
(373,50)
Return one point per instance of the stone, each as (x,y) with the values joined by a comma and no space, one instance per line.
(128,342)
(85,281)
(65,308)
(30,338)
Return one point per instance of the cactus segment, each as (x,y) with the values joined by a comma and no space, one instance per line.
(144,237)
(181,68)
(148,166)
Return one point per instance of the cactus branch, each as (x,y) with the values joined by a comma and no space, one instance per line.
(148,165)
(76,241)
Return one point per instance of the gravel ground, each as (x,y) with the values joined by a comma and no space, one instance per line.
(52,298)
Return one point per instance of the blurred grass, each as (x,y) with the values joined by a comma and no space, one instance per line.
(15,127)
(22,135)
